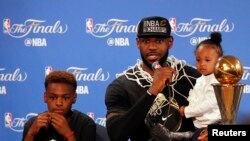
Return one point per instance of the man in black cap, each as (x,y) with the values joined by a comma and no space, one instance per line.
(142,102)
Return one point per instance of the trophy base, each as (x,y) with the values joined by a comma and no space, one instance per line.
(228,98)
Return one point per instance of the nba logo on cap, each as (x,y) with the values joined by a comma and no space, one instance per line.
(89,25)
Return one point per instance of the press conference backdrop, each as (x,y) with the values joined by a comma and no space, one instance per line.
(95,40)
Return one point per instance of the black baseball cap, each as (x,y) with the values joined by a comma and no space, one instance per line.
(154,26)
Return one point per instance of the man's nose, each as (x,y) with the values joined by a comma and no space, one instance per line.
(152,44)
(59,101)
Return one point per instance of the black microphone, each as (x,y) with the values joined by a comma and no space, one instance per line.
(156,65)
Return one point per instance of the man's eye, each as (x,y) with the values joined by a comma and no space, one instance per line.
(144,40)
(66,98)
(52,97)
(160,40)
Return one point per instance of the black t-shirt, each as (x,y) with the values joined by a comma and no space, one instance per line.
(131,103)
(83,126)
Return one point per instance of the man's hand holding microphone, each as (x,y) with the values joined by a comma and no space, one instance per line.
(162,77)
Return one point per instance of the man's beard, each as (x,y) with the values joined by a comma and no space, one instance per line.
(161,61)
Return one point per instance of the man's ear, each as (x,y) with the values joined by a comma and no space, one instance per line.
(137,42)
(74,98)
(170,42)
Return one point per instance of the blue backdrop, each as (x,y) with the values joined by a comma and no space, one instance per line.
(96,40)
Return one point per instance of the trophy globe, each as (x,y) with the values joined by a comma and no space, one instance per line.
(228,71)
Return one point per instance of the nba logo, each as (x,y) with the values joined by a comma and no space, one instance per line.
(48,70)
(8,119)
(172,22)
(6,25)
(89,25)
(91,115)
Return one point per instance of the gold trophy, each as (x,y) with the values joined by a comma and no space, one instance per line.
(228,71)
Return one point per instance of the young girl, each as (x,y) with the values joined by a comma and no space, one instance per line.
(203,107)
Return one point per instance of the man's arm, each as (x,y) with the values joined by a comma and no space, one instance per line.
(126,115)
(33,126)
(122,120)
(61,125)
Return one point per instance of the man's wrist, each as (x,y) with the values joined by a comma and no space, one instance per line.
(70,135)
(29,136)
(151,93)
(30,133)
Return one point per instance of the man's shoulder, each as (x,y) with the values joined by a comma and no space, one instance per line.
(124,73)
(81,116)
(173,62)
(79,113)
(123,77)
(191,71)
(30,121)
(32,118)
(192,68)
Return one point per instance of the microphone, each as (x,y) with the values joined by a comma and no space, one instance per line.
(156,65)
